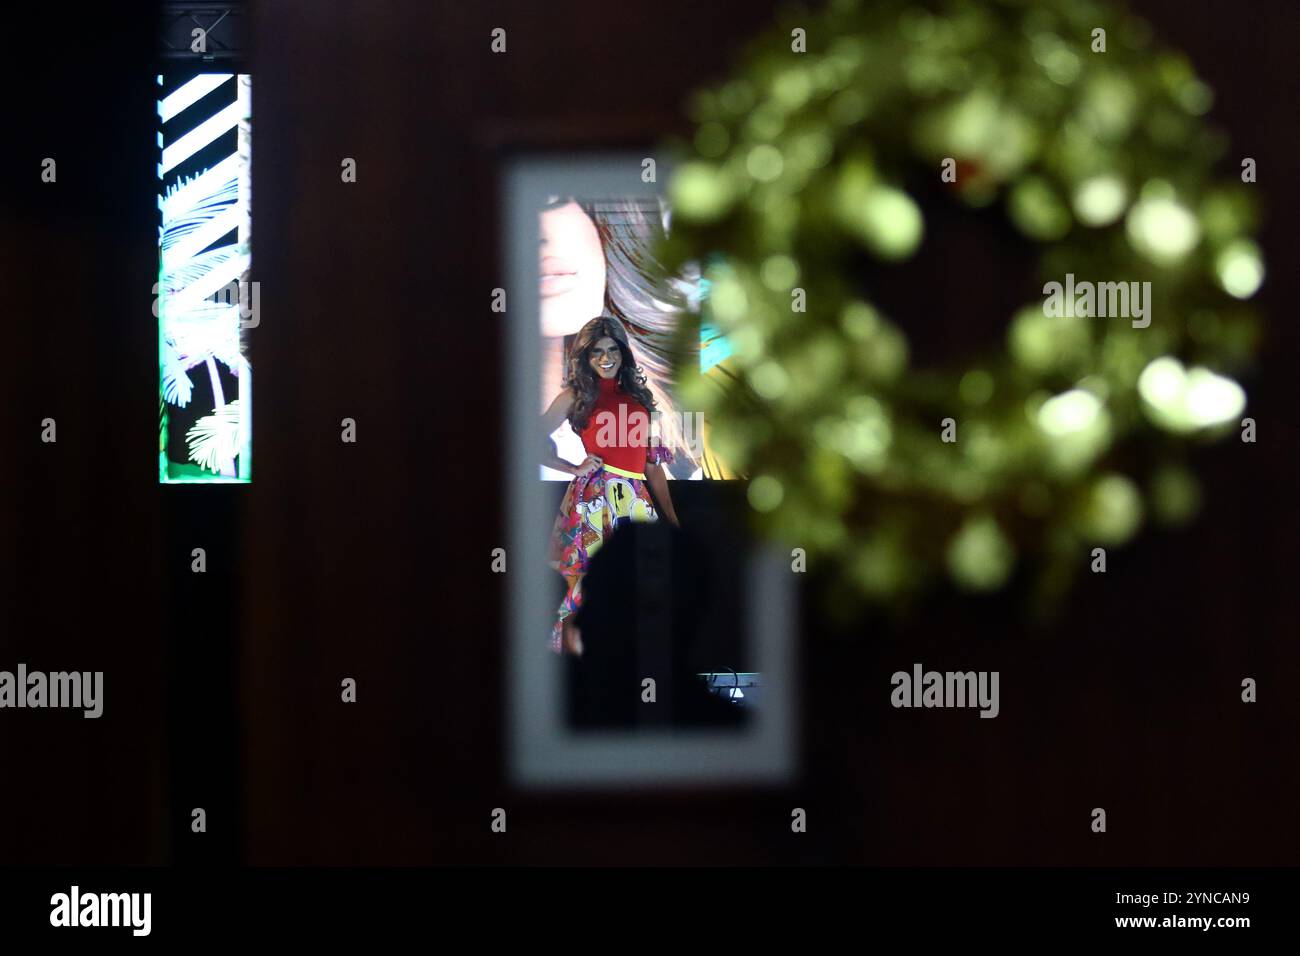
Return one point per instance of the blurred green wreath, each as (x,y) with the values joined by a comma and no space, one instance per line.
(1074,430)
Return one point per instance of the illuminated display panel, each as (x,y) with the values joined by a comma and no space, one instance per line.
(580,234)
(204,301)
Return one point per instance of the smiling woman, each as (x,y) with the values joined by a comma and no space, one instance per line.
(599,257)
(603,387)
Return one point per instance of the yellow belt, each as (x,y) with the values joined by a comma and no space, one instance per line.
(626,474)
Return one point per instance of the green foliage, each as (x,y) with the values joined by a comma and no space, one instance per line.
(1103,163)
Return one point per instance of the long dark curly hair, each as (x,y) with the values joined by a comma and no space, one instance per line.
(584,381)
(640,293)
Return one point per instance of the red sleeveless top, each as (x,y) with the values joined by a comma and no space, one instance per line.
(619,429)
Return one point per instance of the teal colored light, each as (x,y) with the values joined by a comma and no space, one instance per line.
(715,347)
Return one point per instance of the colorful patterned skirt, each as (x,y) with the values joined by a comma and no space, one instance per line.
(593,507)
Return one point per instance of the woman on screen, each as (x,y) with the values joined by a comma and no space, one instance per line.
(597,258)
(607,404)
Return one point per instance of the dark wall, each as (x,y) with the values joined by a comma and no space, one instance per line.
(370,560)
(81,539)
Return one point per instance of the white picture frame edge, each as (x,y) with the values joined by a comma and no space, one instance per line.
(542,752)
